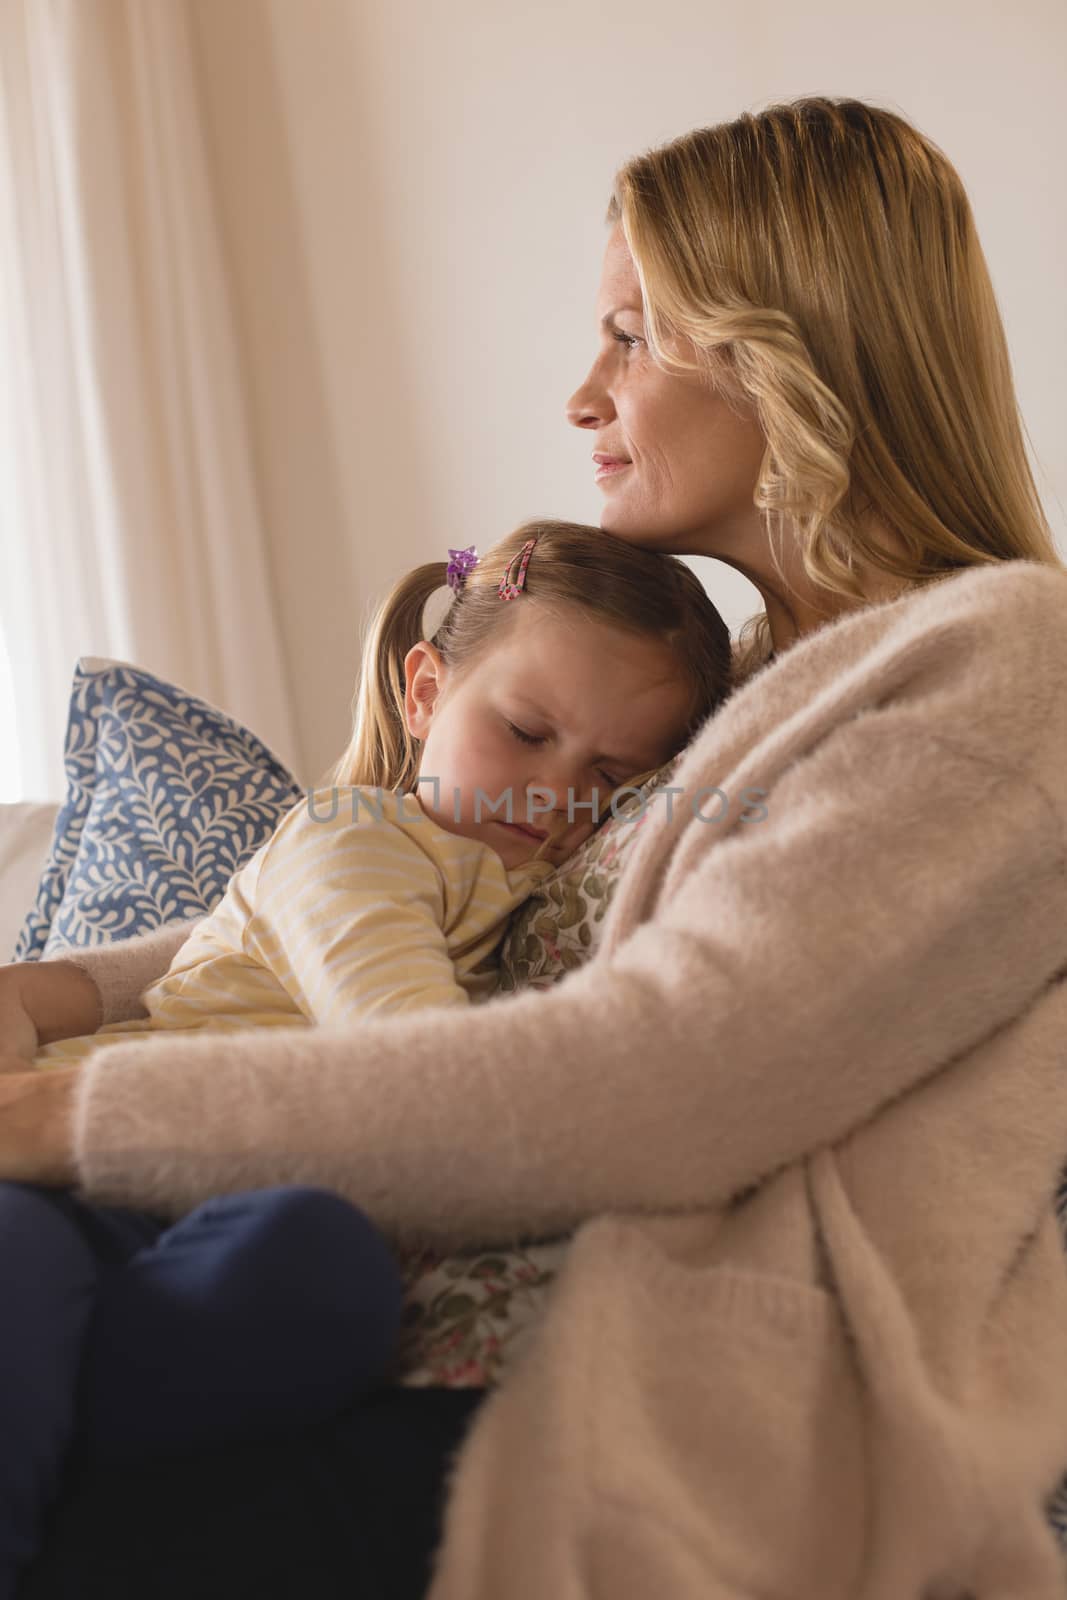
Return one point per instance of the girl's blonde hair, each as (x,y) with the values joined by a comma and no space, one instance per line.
(572,569)
(822,257)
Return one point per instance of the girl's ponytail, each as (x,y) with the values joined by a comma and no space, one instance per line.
(381,753)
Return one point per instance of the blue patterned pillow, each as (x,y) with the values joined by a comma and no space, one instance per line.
(167,798)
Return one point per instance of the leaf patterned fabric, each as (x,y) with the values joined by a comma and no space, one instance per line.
(166,798)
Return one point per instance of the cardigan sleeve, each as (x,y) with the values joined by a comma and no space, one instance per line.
(122,971)
(901,901)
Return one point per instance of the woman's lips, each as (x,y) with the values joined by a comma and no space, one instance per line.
(608,469)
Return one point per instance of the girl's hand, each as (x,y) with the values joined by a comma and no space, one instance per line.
(36,1127)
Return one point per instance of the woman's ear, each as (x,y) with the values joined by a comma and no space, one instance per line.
(424,679)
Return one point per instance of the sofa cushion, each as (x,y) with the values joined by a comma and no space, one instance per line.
(167,797)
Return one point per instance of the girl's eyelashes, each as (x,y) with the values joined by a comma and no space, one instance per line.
(630,340)
(539,738)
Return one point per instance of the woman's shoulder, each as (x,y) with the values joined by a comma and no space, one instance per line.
(989,636)
(977,655)
(1007,598)
(1030,593)
(994,624)
(925,705)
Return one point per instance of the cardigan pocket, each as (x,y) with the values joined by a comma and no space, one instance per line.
(725,1424)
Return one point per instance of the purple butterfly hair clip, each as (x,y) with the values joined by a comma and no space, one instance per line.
(460,563)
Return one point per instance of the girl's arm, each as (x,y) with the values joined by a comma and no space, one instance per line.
(346,910)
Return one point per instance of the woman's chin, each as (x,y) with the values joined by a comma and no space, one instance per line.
(629,525)
(617,519)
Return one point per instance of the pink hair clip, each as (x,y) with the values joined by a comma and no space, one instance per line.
(511,591)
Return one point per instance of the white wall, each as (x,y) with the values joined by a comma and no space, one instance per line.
(414,199)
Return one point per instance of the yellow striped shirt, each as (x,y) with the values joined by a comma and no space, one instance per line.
(359,905)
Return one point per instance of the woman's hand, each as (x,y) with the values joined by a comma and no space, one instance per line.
(19,1040)
(41,1001)
(37,1127)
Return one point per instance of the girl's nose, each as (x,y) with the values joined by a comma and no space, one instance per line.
(559,786)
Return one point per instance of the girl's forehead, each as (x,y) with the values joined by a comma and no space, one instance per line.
(571,646)
(594,677)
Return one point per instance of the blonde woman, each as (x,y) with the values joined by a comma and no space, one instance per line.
(804,1104)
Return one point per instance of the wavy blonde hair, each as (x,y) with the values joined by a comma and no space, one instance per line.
(573,569)
(822,258)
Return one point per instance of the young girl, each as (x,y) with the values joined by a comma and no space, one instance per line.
(569,662)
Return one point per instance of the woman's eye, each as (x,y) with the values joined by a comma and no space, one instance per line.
(630,340)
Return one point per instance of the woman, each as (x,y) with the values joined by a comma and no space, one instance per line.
(803,1104)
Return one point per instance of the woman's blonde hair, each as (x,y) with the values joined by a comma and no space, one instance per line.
(573,568)
(822,257)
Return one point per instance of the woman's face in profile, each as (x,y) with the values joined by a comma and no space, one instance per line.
(689,462)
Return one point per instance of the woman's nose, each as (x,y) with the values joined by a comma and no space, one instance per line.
(590,405)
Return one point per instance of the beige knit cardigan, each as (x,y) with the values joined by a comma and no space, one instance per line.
(806,1107)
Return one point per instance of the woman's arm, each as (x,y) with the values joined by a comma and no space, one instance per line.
(41,1001)
(66,996)
(36,1134)
(119,974)
(902,902)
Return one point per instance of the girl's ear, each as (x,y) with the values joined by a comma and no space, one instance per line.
(424,679)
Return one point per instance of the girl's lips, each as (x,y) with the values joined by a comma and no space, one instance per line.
(516,827)
(607,469)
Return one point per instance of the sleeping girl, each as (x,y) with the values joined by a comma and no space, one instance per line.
(569,664)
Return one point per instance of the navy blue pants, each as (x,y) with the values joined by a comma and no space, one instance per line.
(124,1339)
(348,1510)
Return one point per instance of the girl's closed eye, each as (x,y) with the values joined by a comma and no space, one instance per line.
(539,738)
(630,340)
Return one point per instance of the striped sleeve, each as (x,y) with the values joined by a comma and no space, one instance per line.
(348,916)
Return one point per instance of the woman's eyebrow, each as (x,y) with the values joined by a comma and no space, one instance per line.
(608,319)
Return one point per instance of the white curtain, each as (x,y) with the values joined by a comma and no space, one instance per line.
(128,509)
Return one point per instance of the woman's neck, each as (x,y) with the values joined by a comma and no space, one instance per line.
(791,622)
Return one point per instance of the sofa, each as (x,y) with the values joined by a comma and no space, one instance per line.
(25,835)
